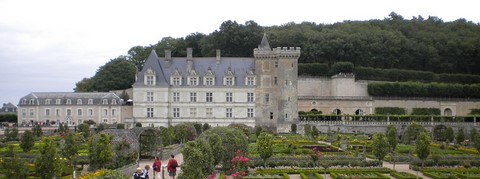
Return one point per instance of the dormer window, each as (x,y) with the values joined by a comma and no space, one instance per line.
(193,81)
(209,78)
(105,101)
(47,102)
(24,101)
(32,101)
(58,101)
(69,101)
(90,101)
(149,77)
(250,79)
(114,101)
(79,101)
(176,78)
(229,79)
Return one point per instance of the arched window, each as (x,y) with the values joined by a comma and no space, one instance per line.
(447,112)
(79,101)
(337,111)
(359,112)
(90,101)
(69,101)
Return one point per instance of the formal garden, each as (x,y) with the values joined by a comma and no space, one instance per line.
(238,151)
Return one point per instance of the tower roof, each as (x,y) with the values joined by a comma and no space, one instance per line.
(264,45)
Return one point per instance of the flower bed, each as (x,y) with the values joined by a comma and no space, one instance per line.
(403,175)
(319,170)
(367,175)
(310,176)
(266,176)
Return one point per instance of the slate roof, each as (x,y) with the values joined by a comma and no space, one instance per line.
(9,107)
(41,97)
(240,66)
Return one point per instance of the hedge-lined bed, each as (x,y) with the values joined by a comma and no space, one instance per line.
(402,175)
(366,175)
(320,170)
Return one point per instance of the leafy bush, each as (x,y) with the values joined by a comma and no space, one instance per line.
(341,67)
(313,69)
(417,89)
(390,110)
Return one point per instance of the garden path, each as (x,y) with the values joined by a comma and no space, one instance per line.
(178,157)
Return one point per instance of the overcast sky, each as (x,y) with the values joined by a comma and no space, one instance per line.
(49,45)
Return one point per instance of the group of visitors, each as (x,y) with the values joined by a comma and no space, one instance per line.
(157,165)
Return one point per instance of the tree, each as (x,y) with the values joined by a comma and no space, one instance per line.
(70,149)
(11,134)
(100,151)
(412,132)
(216,145)
(48,163)
(380,146)
(392,141)
(423,146)
(476,142)
(124,96)
(206,126)
(293,128)
(258,130)
(13,166)
(84,129)
(450,136)
(314,132)
(460,137)
(265,146)
(84,85)
(37,130)
(28,140)
(473,133)
(192,165)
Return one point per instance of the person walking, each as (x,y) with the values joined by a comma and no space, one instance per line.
(172,167)
(145,172)
(157,166)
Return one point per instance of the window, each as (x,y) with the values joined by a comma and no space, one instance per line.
(209,81)
(176,112)
(31,112)
(149,96)
(193,97)
(250,97)
(69,101)
(193,81)
(47,112)
(286,116)
(32,101)
(229,97)
(57,112)
(286,82)
(209,96)
(176,81)
(228,113)
(114,101)
(193,112)
(47,101)
(267,98)
(150,80)
(79,112)
(79,101)
(209,112)
(24,112)
(229,81)
(176,96)
(90,101)
(105,112)
(250,112)
(58,101)
(271,115)
(250,81)
(105,101)
(24,101)
(105,121)
(276,64)
(69,112)
(149,112)
(275,81)
(114,112)
(90,112)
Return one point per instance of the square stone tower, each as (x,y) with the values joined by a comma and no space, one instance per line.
(276,92)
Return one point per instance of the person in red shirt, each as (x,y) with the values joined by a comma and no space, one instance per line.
(157,166)
(172,167)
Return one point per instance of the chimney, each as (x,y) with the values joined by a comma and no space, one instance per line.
(189,60)
(218,56)
(168,57)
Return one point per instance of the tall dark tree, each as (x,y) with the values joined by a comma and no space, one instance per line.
(422,147)
(28,140)
(117,74)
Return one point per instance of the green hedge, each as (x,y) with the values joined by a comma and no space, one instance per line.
(316,176)
(425,111)
(320,170)
(313,69)
(417,89)
(378,74)
(390,110)
(8,118)
(266,176)
(342,67)
(376,175)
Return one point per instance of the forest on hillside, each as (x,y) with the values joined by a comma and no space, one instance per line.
(422,44)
